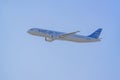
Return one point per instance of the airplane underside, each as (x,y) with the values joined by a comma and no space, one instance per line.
(71,39)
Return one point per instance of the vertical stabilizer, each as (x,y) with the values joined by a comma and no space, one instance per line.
(96,34)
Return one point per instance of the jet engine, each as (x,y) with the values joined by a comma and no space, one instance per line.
(49,39)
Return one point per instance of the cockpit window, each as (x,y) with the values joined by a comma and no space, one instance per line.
(32,29)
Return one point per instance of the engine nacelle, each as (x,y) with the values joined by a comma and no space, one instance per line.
(48,39)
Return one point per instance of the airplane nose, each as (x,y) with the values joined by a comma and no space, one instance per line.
(28,31)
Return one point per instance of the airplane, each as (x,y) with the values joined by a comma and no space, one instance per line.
(72,36)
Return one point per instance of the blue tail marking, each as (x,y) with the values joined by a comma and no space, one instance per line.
(96,34)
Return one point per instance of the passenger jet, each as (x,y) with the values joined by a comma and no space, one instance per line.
(50,35)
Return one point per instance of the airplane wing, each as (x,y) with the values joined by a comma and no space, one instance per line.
(63,35)
(68,34)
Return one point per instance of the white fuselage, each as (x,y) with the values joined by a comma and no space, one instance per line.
(54,35)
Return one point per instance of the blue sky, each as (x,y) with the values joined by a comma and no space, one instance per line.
(26,57)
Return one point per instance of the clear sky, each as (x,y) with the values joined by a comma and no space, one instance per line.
(27,57)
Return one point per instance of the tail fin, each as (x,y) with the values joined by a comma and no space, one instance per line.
(96,34)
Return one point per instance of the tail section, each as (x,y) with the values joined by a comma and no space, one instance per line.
(96,34)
